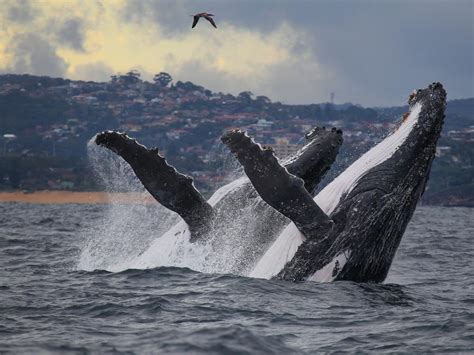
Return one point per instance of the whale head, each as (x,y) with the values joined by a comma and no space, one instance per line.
(381,190)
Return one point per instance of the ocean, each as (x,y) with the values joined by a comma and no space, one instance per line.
(53,301)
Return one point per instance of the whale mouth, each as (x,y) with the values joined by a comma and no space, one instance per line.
(433,100)
(434,89)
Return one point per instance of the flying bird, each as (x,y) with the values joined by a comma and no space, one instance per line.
(207,16)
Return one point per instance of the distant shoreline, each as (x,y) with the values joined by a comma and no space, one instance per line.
(71,197)
(137,198)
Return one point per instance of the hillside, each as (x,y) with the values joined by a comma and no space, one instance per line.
(51,120)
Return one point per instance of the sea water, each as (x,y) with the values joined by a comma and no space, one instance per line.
(49,303)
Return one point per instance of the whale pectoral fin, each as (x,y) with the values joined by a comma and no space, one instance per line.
(169,187)
(277,187)
(315,158)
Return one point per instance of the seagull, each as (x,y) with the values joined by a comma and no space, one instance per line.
(206,16)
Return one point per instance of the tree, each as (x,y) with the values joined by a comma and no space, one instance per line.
(162,79)
(263,99)
(132,77)
(245,96)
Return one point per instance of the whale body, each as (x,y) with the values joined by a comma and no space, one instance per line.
(369,205)
(348,231)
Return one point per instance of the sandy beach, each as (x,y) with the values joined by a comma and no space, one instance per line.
(67,197)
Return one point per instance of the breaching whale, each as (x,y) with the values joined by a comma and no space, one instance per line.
(352,228)
(349,231)
(229,207)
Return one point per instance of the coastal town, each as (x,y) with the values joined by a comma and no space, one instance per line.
(46,124)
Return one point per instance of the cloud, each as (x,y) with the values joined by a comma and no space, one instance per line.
(22,11)
(71,34)
(34,55)
(170,16)
(375,52)
(97,71)
(294,82)
(285,70)
(173,16)
(368,52)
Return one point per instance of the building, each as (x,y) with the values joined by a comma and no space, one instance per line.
(466,135)
(283,148)
(442,151)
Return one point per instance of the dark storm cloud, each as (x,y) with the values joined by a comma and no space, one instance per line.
(379,50)
(34,55)
(21,11)
(71,34)
(165,13)
(174,15)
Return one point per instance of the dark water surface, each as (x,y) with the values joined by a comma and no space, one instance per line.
(47,305)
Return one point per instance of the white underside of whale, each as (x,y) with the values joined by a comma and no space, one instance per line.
(287,243)
(329,272)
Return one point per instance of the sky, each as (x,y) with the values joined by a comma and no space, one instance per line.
(373,53)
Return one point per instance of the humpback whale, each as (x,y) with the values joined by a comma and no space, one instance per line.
(349,231)
(227,210)
(352,228)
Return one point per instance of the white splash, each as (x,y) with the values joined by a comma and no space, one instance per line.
(124,230)
(281,251)
(286,245)
(174,248)
(143,236)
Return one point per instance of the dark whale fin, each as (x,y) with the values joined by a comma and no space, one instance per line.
(170,188)
(315,158)
(277,187)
